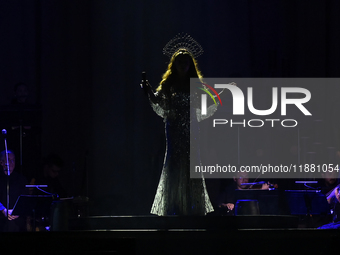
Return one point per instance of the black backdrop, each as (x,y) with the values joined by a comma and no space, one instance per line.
(82,61)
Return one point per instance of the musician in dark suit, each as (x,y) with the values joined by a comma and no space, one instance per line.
(17,184)
(331,188)
(333,198)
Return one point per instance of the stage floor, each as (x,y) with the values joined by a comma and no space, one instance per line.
(141,242)
(176,235)
(183,222)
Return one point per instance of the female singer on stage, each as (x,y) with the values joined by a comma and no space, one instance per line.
(177,193)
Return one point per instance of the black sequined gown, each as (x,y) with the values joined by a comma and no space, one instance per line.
(177,193)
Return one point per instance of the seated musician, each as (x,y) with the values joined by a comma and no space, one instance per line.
(331,189)
(17,184)
(227,199)
(52,166)
(334,200)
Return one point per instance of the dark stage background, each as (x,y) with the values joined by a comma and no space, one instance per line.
(82,61)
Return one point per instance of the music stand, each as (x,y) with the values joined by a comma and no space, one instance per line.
(307,202)
(268,199)
(32,205)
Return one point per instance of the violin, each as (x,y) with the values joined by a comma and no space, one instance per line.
(333,193)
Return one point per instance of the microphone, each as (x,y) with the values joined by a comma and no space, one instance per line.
(4,132)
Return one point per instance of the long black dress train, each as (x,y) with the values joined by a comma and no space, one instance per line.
(177,193)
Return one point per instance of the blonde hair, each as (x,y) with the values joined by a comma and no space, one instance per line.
(170,74)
